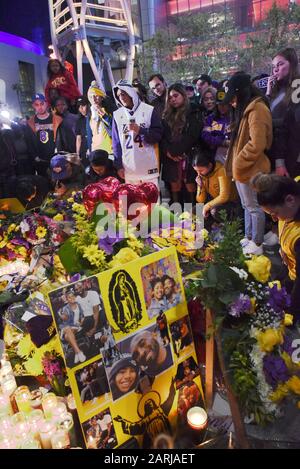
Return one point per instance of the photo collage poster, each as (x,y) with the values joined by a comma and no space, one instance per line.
(128,347)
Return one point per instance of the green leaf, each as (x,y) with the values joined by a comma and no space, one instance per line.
(70,258)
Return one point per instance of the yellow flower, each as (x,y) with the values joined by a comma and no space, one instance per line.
(11,228)
(58,217)
(94,255)
(123,256)
(294,384)
(41,232)
(3,242)
(80,209)
(280,393)
(185,216)
(288,319)
(3,285)
(259,267)
(70,199)
(268,339)
(204,233)
(253,303)
(275,282)
(135,244)
(22,251)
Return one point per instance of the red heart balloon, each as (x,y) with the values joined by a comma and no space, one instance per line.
(125,196)
(91,195)
(109,185)
(150,190)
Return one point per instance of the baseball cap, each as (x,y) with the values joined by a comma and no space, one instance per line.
(82,101)
(239,81)
(220,96)
(37,96)
(59,165)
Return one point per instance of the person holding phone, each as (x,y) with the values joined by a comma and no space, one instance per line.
(283,97)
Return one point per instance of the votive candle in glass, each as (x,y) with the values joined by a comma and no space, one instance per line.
(8,384)
(35,418)
(30,443)
(49,402)
(197,421)
(36,399)
(21,427)
(71,402)
(6,425)
(60,439)
(59,412)
(47,430)
(67,423)
(9,442)
(23,397)
(5,405)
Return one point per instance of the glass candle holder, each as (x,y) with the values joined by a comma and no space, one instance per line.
(8,384)
(47,430)
(49,402)
(36,399)
(9,442)
(30,443)
(60,440)
(6,426)
(35,419)
(21,427)
(5,405)
(67,423)
(71,402)
(197,421)
(23,397)
(59,412)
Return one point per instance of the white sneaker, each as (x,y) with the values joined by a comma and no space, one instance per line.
(81,357)
(244,242)
(270,239)
(76,358)
(252,248)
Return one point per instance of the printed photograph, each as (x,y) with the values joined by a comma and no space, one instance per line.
(99,431)
(92,382)
(162,290)
(123,376)
(79,315)
(186,372)
(189,396)
(181,333)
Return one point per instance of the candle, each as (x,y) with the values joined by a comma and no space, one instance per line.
(67,423)
(71,402)
(49,402)
(5,405)
(60,440)
(91,442)
(8,384)
(197,418)
(36,399)
(23,397)
(21,427)
(8,443)
(5,425)
(30,443)
(47,430)
(59,412)
(35,419)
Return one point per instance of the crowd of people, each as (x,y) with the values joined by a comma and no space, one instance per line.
(205,140)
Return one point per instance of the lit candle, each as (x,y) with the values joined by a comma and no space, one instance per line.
(49,402)
(91,442)
(8,384)
(21,427)
(35,418)
(5,405)
(60,440)
(5,425)
(23,397)
(71,402)
(8,443)
(59,412)
(47,430)
(197,418)
(30,443)
(197,421)
(67,424)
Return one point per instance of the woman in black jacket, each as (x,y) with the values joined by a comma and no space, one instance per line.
(284,104)
(181,132)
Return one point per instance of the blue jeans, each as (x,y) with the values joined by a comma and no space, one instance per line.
(254,215)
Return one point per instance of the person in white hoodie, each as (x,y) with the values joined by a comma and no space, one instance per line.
(136,131)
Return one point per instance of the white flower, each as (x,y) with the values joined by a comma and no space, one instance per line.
(24,226)
(241,273)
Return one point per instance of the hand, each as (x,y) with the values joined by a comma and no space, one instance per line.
(271,82)
(282,171)
(205,211)
(91,332)
(121,173)
(101,111)
(135,128)
(174,158)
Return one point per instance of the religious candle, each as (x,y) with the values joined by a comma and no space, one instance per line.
(60,440)
(30,443)
(8,384)
(23,397)
(197,421)
(47,430)
(49,402)
(5,405)
(36,399)
(35,418)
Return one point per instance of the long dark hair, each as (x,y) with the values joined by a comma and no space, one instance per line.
(272,189)
(244,98)
(61,69)
(176,118)
(291,56)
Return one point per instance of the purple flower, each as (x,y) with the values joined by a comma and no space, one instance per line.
(279,299)
(287,345)
(240,306)
(20,242)
(275,370)
(52,368)
(107,244)
(75,278)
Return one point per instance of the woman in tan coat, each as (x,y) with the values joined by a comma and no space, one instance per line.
(251,137)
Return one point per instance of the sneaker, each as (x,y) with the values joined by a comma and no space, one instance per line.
(81,357)
(244,242)
(252,248)
(270,239)
(76,358)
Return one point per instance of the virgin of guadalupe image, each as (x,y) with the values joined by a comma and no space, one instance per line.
(124,301)
(153,417)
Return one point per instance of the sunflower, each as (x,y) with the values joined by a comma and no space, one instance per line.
(41,232)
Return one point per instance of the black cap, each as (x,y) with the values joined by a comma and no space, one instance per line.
(239,81)
(82,101)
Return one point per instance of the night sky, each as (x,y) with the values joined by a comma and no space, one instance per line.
(26,18)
